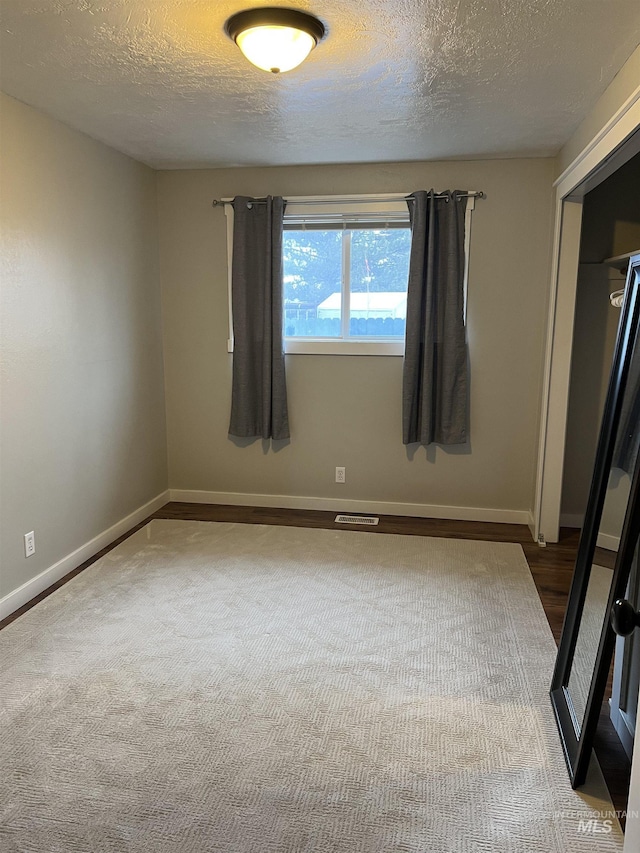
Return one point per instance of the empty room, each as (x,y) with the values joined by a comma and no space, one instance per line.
(319,426)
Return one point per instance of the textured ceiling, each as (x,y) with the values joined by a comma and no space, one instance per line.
(393,80)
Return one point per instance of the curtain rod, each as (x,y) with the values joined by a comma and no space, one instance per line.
(356,200)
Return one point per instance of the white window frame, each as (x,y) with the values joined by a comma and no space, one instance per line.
(297,208)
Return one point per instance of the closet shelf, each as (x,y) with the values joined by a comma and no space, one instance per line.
(620,262)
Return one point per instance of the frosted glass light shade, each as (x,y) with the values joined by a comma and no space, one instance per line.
(275,48)
(275,39)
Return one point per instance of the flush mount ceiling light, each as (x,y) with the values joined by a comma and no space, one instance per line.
(275,39)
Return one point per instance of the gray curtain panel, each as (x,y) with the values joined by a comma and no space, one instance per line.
(259,394)
(434,392)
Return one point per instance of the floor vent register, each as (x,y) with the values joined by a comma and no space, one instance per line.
(357,519)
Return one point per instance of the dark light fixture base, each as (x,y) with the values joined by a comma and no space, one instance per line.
(275,17)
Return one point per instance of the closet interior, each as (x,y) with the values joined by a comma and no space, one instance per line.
(610,234)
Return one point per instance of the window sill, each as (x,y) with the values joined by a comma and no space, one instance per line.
(320,347)
(325,347)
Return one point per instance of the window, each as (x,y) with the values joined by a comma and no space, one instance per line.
(345,272)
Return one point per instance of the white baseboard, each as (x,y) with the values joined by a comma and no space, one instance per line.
(605,540)
(624,726)
(23,594)
(457,513)
(608,542)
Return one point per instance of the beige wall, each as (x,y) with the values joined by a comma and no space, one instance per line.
(611,217)
(622,87)
(82,398)
(346,410)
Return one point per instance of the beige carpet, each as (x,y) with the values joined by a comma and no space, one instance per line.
(252,689)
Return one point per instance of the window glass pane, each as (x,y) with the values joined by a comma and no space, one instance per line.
(376,276)
(312,277)
(379,273)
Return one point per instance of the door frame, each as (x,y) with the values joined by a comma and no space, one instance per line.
(616,143)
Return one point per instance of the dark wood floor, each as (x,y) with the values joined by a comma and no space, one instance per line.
(551,567)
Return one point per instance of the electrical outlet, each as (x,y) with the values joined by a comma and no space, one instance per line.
(341,475)
(29,544)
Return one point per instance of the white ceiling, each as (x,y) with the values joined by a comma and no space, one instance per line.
(394,80)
